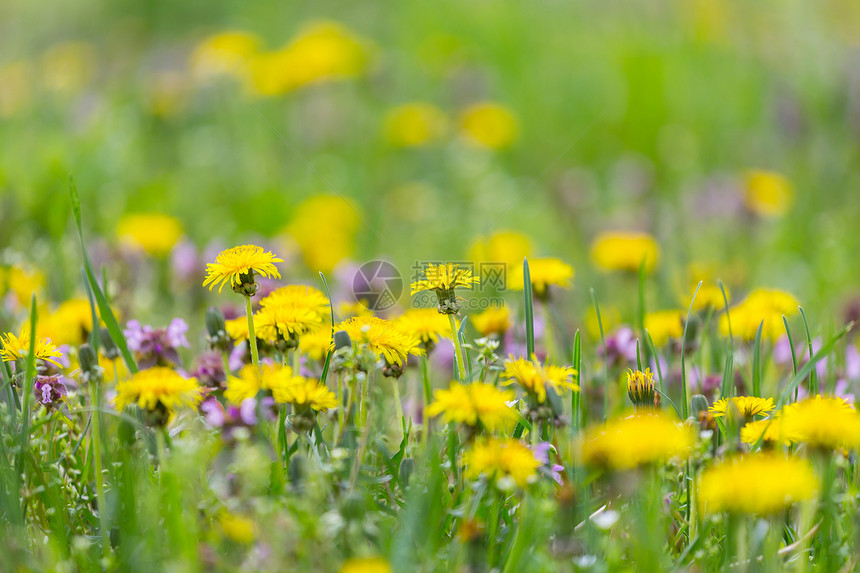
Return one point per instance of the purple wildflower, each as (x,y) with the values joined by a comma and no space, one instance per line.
(541,454)
(157,346)
(49,390)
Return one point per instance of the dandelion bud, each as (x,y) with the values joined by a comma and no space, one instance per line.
(215,323)
(108,347)
(407,467)
(247,285)
(698,403)
(640,389)
(89,363)
(341,340)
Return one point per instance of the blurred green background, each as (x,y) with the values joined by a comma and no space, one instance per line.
(640,116)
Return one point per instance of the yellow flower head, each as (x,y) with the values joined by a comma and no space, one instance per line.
(620,251)
(238,528)
(640,387)
(324,227)
(769,431)
(21,282)
(315,345)
(415,124)
(764,307)
(225,53)
(532,377)
(710,296)
(495,320)
(768,194)
(291,312)
(300,296)
(445,277)
(477,405)
(252,379)
(236,264)
(425,324)
(509,247)
(154,233)
(626,443)
(763,484)
(544,273)
(490,125)
(18,347)
(822,421)
(304,393)
(746,406)
(70,323)
(157,388)
(366,565)
(382,337)
(664,324)
(501,460)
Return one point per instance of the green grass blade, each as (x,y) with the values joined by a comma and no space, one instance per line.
(327,363)
(810,365)
(575,397)
(684,400)
(756,365)
(813,374)
(529,309)
(605,355)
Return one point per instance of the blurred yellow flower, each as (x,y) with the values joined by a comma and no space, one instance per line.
(352,309)
(252,379)
(823,421)
(769,431)
(509,247)
(543,273)
(304,393)
(762,484)
(226,53)
(767,193)
(765,306)
(68,67)
(496,320)
(157,388)
(636,440)
(22,282)
(365,565)
(154,233)
(710,296)
(234,265)
(70,323)
(324,226)
(424,323)
(238,528)
(18,348)
(382,337)
(489,124)
(533,377)
(16,95)
(315,345)
(746,406)
(415,124)
(623,251)
(113,370)
(322,51)
(477,405)
(500,460)
(663,325)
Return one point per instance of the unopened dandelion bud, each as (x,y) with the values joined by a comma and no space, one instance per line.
(698,403)
(215,323)
(247,285)
(640,389)
(108,347)
(89,362)
(341,340)
(390,370)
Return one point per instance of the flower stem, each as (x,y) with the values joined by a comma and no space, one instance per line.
(252,335)
(96,437)
(461,367)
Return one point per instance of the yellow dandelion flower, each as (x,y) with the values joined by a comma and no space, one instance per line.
(154,233)
(324,228)
(444,277)
(381,337)
(316,344)
(18,347)
(113,369)
(501,459)
(764,307)
(532,377)
(544,273)
(822,421)
(366,565)
(252,379)
(238,528)
(289,322)
(69,323)
(636,440)
(225,53)
(425,324)
(496,320)
(237,328)
(489,124)
(347,310)
(300,296)
(746,406)
(157,388)
(768,194)
(304,393)
(641,389)
(477,405)
(509,247)
(710,296)
(237,266)
(763,484)
(415,124)
(620,251)
(663,325)
(769,431)
(295,310)
(21,282)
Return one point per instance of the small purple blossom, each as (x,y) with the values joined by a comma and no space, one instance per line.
(49,390)
(620,346)
(232,417)
(157,346)
(541,454)
(209,370)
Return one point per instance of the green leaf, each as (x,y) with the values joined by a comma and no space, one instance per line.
(529,309)
(327,363)
(813,374)
(756,365)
